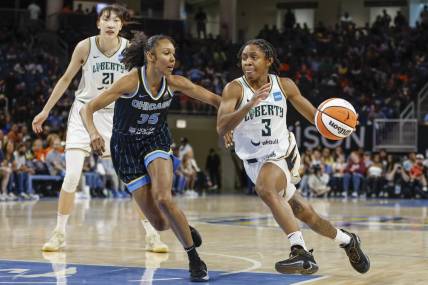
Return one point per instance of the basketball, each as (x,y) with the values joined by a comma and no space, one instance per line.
(335,119)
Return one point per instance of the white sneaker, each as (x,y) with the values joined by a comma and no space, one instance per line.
(55,243)
(154,244)
(3,197)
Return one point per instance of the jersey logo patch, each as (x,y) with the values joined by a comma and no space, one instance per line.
(277,96)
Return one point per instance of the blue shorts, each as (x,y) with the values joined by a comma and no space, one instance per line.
(131,156)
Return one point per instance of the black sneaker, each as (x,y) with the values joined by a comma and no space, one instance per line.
(198,272)
(197,239)
(359,261)
(300,261)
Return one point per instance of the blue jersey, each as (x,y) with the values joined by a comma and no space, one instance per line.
(142,114)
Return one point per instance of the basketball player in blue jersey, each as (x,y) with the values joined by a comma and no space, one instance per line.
(98,57)
(141,140)
(254,107)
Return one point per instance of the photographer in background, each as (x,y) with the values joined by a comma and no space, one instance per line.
(398,181)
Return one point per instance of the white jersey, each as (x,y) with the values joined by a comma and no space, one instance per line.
(100,71)
(263,133)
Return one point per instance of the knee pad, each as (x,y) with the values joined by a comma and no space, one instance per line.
(73,169)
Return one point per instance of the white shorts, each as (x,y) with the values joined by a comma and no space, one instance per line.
(253,170)
(78,137)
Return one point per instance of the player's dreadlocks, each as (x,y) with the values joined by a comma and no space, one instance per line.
(135,54)
(267,49)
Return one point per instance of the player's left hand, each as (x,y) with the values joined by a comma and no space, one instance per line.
(228,139)
(97,144)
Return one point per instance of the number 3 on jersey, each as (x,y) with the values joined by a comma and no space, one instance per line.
(266,132)
(108,78)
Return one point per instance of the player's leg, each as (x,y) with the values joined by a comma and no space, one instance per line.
(349,241)
(74,159)
(161,171)
(271,180)
(153,241)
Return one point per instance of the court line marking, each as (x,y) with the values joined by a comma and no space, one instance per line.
(312,280)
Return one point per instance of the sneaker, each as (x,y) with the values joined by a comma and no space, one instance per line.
(198,272)
(154,244)
(300,261)
(196,237)
(55,243)
(359,261)
(354,195)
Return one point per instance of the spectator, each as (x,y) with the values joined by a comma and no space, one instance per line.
(34,10)
(289,20)
(339,167)
(23,170)
(55,158)
(212,167)
(354,171)
(189,172)
(398,181)
(79,9)
(318,180)
(375,179)
(9,162)
(418,177)
(201,23)
(184,148)
(5,172)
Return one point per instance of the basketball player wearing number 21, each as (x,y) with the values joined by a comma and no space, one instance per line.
(254,107)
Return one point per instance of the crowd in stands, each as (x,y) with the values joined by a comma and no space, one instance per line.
(363,174)
(378,68)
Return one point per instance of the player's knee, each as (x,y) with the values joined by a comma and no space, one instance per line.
(163,200)
(71,180)
(265,193)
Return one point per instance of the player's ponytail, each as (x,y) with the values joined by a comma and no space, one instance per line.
(135,54)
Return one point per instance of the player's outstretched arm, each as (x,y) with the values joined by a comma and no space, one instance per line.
(184,85)
(125,85)
(228,117)
(78,58)
(302,105)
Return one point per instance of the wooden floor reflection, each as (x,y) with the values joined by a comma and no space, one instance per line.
(238,232)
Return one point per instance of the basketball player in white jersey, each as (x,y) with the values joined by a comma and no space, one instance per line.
(99,58)
(254,107)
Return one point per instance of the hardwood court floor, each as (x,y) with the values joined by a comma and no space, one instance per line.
(240,239)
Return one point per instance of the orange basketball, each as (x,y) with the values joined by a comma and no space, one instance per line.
(335,119)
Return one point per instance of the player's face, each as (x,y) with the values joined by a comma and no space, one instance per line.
(254,63)
(109,24)
(165,56)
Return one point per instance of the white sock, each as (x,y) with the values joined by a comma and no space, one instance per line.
(296,238)
(342,238)
(61,222)
(150,230)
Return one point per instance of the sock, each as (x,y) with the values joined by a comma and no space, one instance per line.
(192,254)
(150,230)
(61,222)
(342,238)
(296,238)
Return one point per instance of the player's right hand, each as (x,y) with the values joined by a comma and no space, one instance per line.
(38,121)
(97,144)
(260,94)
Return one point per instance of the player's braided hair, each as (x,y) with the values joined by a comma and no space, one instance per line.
(135,54)
(267,49)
